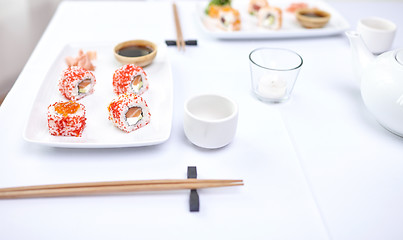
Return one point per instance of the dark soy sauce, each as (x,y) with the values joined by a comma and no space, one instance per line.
(134,51)
(313,15)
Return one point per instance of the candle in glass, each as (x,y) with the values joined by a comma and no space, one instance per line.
(272,86)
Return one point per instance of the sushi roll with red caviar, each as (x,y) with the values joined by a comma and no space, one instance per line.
(76,83)
(66,119)
(129,112)
(130,79)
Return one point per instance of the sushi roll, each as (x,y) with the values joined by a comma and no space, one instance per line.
(270,18)
(130,79)
(229,19)
(256,5)
(76,83)
(129,112)
(214,7)
(66,119)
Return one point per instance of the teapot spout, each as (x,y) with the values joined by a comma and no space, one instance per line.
(361,56)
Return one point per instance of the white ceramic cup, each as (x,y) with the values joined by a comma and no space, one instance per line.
(210,121)
(377,33)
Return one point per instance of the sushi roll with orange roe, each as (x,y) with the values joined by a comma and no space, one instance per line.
(66,119)
(229,19)
(130,79)
(129,112)
(214,7)
(76,83)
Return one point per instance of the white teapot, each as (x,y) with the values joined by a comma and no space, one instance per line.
(381,80)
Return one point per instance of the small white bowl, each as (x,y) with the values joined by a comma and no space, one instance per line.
(210,121)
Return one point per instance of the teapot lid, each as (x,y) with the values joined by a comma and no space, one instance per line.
(399,56)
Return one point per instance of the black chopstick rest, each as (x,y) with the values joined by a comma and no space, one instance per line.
(192,172)
(187,43)
(194,202)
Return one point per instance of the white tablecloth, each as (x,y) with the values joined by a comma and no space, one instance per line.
(316,167)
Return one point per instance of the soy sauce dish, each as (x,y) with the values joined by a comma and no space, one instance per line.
(138,52)
(312,17)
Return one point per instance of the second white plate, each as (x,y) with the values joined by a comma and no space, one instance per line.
(99,131)
(290,29)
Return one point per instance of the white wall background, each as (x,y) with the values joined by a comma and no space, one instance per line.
(22,23)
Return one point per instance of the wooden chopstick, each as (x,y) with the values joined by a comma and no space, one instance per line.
(118,183)
(180,43)
(76,189)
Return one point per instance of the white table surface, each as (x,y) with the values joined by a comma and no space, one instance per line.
(316,167)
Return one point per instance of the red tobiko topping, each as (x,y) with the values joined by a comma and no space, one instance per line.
(66,108)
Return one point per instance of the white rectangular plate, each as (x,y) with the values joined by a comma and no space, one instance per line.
(290,28)
(99,131)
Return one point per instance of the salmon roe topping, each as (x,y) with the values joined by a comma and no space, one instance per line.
(66,108)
